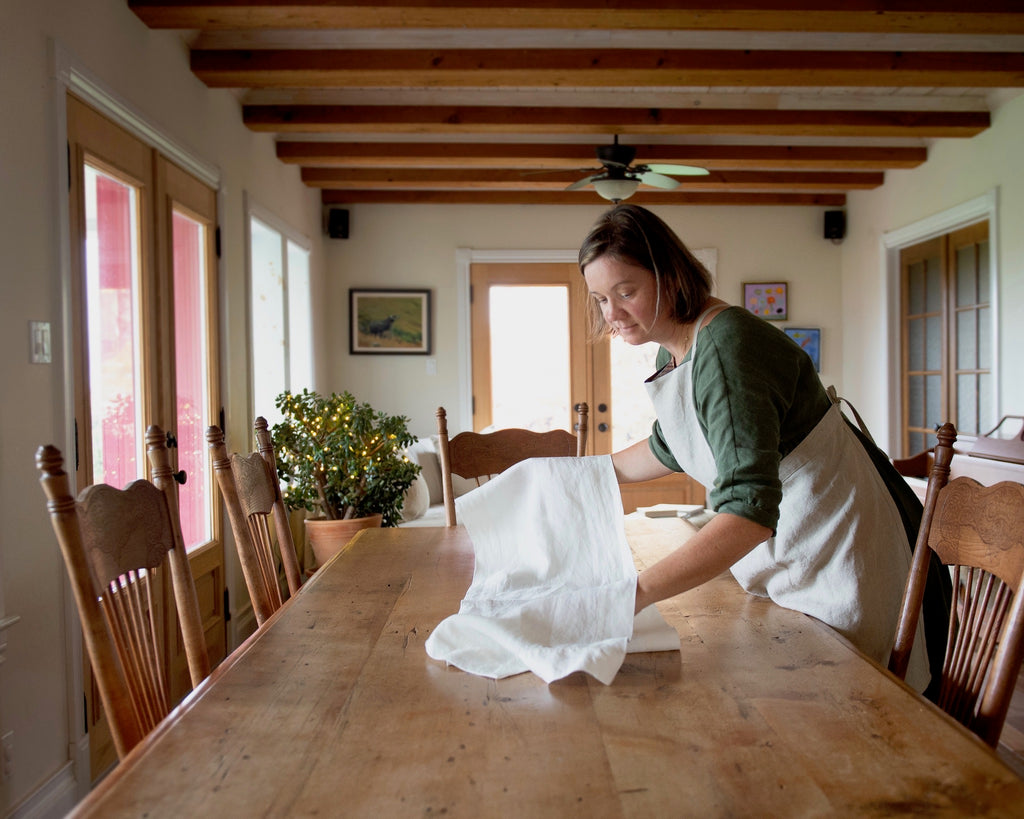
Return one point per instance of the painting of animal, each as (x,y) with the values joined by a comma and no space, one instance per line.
(389,321)
(381,326)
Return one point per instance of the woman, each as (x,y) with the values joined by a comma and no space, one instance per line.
(809,513)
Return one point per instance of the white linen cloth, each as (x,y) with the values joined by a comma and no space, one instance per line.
(554,583)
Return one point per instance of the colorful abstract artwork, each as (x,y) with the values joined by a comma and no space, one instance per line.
(766,299)
(809,340)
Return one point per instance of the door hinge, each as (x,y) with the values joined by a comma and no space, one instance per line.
(216,241)
(227,607)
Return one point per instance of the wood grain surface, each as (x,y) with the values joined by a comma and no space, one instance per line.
(334,709)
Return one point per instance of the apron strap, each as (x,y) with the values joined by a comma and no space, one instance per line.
(700,324)
(836,399)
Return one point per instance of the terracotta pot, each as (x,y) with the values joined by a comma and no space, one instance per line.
(328,537)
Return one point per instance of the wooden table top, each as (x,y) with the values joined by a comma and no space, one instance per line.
(334,708)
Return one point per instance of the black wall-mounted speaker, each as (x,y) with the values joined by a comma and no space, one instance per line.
(337,223)
(835,224)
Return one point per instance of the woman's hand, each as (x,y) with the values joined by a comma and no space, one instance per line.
(637,463)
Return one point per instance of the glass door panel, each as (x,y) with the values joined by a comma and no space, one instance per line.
(634,413)
(530,370)
(112,279)
(192,377)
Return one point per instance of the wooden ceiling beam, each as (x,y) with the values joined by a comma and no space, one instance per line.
(584,196)
(607,68)
(500,179)
(363,119)
(560,156)
(979,17)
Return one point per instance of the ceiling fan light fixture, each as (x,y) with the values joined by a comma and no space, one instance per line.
(615,190)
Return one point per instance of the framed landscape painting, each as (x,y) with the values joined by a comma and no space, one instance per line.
(389,322)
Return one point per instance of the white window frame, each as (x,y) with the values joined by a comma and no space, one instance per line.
(253,210)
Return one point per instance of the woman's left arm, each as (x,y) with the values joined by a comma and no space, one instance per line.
(719,544)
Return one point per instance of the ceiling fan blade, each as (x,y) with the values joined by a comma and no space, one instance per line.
(582,183)
(657,180)
(678,170)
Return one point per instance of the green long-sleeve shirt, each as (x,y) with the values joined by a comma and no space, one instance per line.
(757,396)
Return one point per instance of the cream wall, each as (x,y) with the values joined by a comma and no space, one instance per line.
(408,246)
(957,171)
(149,72)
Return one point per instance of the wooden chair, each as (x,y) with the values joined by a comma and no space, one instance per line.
(979,532)
(112,540)
(252,495)
(477,455)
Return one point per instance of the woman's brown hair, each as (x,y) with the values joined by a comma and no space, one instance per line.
(636,236)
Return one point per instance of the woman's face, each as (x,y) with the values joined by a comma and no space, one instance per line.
(627,296)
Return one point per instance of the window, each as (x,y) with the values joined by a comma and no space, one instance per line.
(280,313)
(947,350)
(112,284)
(193,376)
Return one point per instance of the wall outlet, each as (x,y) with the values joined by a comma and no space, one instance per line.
(7,741)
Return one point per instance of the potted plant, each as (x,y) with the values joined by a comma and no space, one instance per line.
(344,462)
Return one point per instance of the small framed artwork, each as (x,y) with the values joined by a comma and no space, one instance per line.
(767,300)
(395,322)
(809,340)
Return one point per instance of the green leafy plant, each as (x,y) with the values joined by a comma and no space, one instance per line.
(341,458)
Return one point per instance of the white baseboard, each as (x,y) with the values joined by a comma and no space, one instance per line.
(53,799)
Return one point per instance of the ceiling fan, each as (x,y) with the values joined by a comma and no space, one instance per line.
(619,178)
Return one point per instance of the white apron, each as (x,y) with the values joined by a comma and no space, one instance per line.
(840,551)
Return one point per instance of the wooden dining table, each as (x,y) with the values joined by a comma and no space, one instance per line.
(334,708)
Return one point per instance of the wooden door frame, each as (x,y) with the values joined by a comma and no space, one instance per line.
(72,78)
(981,208)
(462,416)
(581,352)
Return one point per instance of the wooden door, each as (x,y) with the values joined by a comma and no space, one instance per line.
(143,317)
(947,344)
(532,362)
(189,394)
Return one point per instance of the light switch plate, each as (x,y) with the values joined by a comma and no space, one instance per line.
(39,342)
